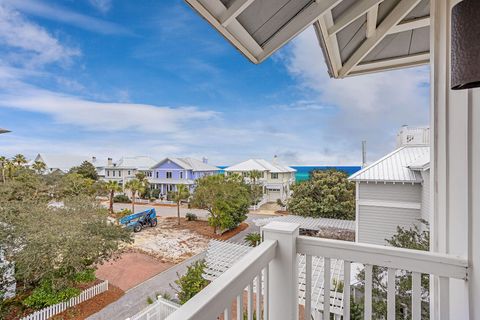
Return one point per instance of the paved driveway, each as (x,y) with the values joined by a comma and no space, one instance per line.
(135,299)
(162,211)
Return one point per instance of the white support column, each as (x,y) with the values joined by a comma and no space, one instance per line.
(283,271)
(455,178)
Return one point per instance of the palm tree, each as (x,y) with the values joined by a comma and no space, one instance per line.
(3,165)
(144,180)
(112,187)
(39,166)
(255,175)
(135,186)
(256,190)
(180,194)
(19,159)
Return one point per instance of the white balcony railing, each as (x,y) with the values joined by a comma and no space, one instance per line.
(270,276)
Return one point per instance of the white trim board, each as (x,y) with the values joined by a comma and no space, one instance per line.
(389,204)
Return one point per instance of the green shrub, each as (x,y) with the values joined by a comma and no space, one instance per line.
(149,300)
(44,295)
(87,275)
(191,216)
(124,212)
(253,239)
(155,193)
(192,282)
(121,198)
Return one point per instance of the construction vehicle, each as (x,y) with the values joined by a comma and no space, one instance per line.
(140,220)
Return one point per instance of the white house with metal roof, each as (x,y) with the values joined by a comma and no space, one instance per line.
(276,179)
(64,162)
(127,167)
(395,190)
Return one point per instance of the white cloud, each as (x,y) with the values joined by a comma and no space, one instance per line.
(102,5)
(56,13)
(370,107)
(102,116)
(34,45)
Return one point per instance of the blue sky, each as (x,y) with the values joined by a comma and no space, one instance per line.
(114,78)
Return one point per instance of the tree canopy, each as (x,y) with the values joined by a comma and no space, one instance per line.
(86,170)
(226,198)
(53,229)
(327,194)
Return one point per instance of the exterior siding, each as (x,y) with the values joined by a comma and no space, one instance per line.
(426,195)
(375,224)
(391,192)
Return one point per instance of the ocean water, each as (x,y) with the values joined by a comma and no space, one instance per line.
(303,172)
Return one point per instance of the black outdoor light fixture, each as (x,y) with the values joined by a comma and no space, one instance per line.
(466,45)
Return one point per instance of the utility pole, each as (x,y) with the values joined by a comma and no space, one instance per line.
(364,153)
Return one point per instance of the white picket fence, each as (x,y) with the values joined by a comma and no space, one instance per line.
(49,312)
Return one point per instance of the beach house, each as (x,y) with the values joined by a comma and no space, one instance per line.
(171,172)
(276,179)
(64,162)
(394,190)
(126,168)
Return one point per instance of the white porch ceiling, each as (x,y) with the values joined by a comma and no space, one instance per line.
(356,36)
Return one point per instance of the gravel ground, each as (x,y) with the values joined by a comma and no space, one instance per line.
(135,299)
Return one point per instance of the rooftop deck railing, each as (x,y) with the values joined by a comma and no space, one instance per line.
(227,291)
(270,276)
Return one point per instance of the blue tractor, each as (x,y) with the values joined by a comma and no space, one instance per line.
(140,220)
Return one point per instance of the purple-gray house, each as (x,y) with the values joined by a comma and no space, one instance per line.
(171,172)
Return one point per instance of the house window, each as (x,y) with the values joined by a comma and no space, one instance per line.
(119,173)
(274,175)
(157,174)
(113,172)
(129,172)
(108,173)
(169,174)
(181,174)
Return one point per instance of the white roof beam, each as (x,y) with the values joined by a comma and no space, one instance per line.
(303,20)
(410,25)
(234,11)
(392,63)
(372,16)
(352,13)
(391,20)
(235,33)
(331,42)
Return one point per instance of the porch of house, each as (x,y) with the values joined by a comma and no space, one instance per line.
(269,273)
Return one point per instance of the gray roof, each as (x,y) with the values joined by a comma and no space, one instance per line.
(394,167)
(260,165)
(139,162)
(189,164)
(356,36)
(63,162)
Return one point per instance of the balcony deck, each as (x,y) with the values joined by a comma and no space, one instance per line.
(286,270)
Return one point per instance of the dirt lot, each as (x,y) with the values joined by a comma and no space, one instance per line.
(131,269)
(156,249)
(92,306)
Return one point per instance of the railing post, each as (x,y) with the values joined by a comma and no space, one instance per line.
(283,271)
